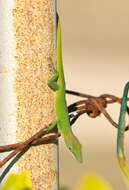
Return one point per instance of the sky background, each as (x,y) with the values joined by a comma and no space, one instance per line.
(96,61)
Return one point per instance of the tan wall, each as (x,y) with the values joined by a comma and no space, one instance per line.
(96,60)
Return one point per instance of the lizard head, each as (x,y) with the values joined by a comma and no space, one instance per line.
(75,147)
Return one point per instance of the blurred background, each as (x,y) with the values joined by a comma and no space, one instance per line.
(96,61)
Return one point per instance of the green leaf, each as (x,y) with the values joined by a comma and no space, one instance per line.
(64,188)
(18,182)
(92,182)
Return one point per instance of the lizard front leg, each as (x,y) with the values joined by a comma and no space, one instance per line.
(52,83)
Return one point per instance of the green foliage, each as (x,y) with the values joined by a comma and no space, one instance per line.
(17,182)
(64,188)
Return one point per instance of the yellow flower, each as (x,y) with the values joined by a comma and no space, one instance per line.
(17,182)
(92,182)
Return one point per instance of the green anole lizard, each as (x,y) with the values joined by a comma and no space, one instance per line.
(57,83)
(120,135)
